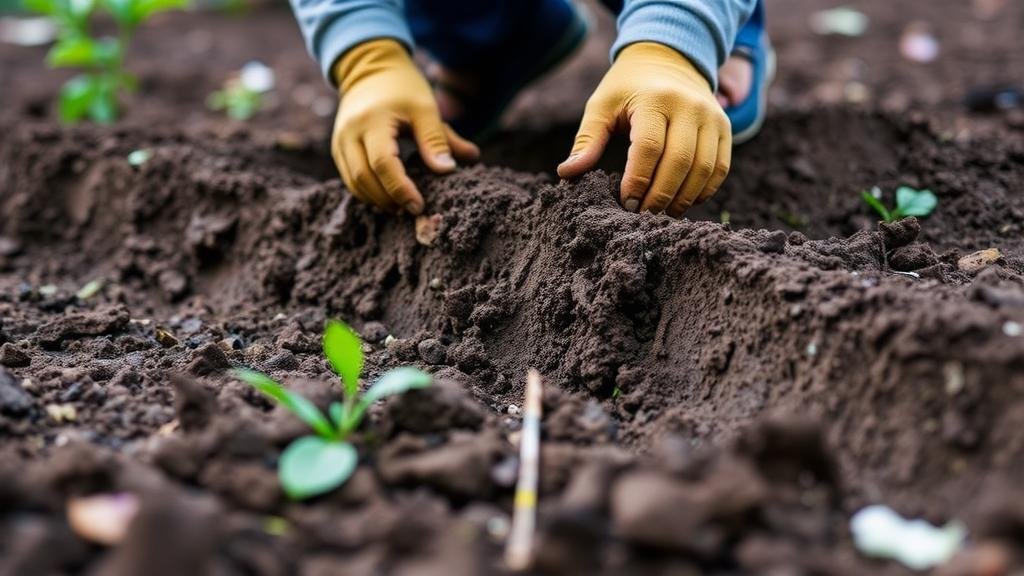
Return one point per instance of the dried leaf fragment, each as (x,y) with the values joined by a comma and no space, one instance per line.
(102,518)
(427,228)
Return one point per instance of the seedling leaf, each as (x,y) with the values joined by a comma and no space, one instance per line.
(103,108)
(875,203)
(45,7)
(396,381)
(304,409)
(344,350)
(910,202)
(83,51)
(76,97)
(143,9)
(393,382)
(311,466)
(338,414)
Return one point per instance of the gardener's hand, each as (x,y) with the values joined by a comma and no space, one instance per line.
(680,138)
(382,91)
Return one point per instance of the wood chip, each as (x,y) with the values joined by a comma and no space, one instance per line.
(102,518)
(165,338)
(976,262)
(427,228)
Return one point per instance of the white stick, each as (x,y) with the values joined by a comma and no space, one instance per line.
(520,542)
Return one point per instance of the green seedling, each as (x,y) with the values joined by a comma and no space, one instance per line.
(236,101)
(94,93)
(319,463)
(909,202)
(242,95)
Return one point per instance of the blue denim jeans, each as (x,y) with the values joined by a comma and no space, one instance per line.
(469,34)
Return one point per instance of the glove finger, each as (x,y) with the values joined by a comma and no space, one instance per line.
(674,165)
(704,162)
(337,147)
(646,146)
(382,155)
(589,144)
(721,168)
(363,178)
(463,149)
(432,139)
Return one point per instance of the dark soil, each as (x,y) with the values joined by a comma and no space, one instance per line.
(719,397)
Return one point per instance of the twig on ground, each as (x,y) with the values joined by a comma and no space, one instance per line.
(524,518)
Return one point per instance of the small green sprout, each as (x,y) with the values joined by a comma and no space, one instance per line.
(94,93)
(242,95)
(909,202)
(319,463)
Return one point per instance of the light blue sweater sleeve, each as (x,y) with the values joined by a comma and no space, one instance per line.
(331,27)
(702,30)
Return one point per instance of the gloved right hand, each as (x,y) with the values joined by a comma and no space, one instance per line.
(382,91)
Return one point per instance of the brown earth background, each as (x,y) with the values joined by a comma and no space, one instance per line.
(720,397)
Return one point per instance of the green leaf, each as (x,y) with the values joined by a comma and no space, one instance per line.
(46,7)
(82,51)
(393,382)
(910,202)
(76,97)
(79,9)
(123,11)
(103,109)
(304,409)
(397,381)
(143,9)
(338,414)
(344,350)
(875,203)
(311,466)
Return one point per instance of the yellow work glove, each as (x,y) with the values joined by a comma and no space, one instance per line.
(382,91)
(680,138)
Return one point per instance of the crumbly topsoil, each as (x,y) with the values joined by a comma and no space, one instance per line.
(719,397)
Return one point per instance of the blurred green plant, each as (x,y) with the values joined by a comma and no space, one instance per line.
(909,202)
(320,462)
(94,93)
(236,100)
(242,95)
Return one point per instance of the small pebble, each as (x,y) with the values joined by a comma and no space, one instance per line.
(165,338)
(432,351)
(102,518)
(191,325)
(812,349)
(954,374)
(1012,329)
(61,412)
(435,283)
(513,410)
(427,228)
(390,341)
(498,528)
(231,343)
